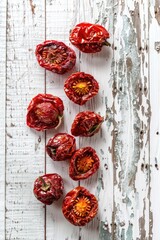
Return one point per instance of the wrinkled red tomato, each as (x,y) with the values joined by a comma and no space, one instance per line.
(55,56)
(48,188)
(86,124)
(45,111)
(61,147)
(84,163)
(79,206)
(89,38)
(81,87)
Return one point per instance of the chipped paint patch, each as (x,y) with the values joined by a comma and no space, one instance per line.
(157,46)
(129,234)
(33,6)
(157,11)
(104,234)
(131,120)
(135,15)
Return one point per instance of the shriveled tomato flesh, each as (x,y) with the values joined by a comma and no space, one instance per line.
(88,37)
(46,113)
(84,164)
(82,87)
(79,206)
(61,147)
(54,54)
(82,206)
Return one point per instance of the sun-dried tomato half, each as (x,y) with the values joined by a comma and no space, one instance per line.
(61,147)
(84,163)
(89,38)
(55,56)
(45,111)
(48,188)
(81,87)
(86,124)
(79,206)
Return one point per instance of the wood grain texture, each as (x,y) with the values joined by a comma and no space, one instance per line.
(131,120)
(99,65)
(25,148)
(60,18)
(2,116)
(154,59)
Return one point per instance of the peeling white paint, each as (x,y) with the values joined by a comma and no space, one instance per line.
(132,122)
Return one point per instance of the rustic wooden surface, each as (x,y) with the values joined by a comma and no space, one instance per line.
(127,184)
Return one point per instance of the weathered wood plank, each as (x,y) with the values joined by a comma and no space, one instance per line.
(2,116)
(131,120)
(60,18)
(25,147)
(154,60)
(99,65)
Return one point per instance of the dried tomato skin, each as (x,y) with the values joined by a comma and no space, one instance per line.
(80,95)
(69,204)
(61,147)
(63,57)
(78,174)
(44,112)
(84,122)
(53,190)
(89,38)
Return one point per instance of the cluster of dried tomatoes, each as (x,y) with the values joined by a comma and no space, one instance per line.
(45,111)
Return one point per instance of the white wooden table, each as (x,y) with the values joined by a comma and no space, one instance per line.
(127,184)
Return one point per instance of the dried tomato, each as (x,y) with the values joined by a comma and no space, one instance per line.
(45,111)
(55,56)
(86,124)
(79,206)
(61,147)
(48,188)
(89,38)
(84,163)
(81,87)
